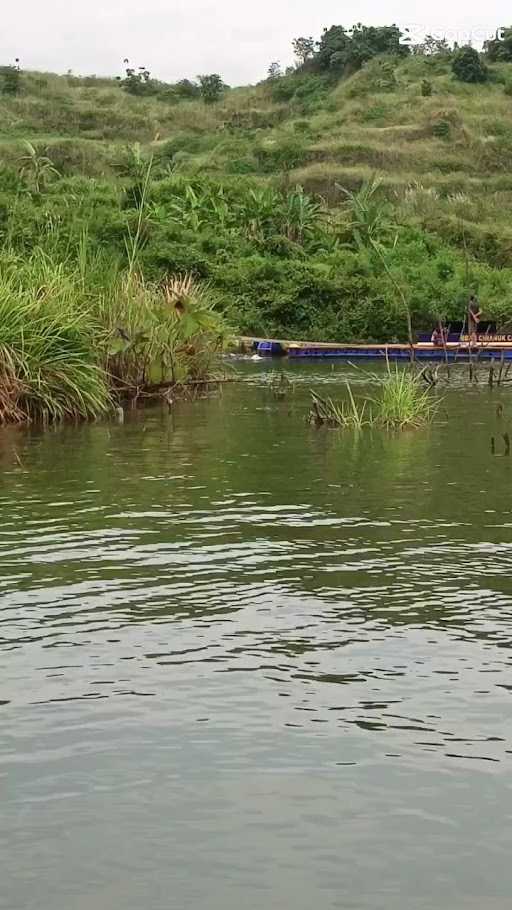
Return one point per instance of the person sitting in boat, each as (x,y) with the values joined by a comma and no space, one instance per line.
(439,337)
(474,315)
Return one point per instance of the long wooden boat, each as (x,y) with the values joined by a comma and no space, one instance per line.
(464,349)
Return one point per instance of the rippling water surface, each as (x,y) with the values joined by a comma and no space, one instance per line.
(246,663)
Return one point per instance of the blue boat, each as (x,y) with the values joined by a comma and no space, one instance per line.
(456,353)
(455,347)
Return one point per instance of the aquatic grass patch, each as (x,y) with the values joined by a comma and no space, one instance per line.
(403,402)
(347,415)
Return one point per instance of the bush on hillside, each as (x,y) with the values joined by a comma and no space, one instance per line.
(467,66)
(303,92)
(442,129)
(187,89)
(432,46)
(499,49)
(10,80)
(138,82)
(283,154)
(376,76)
(341,50)
(212,87)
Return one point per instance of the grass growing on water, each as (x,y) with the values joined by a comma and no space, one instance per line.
(403,403)
(349,415)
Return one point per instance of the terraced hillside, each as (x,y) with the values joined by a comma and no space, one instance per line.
(441,149)
(453,147)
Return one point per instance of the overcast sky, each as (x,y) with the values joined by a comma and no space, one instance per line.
(238,39)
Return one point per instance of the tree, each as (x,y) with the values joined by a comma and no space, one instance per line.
(137,82)
(212,87)
(340,50)
(187,89)
(371,41)
(274,71)
(499,48)
(304,49)
(333,48)
(468,67)
(35,168)
(10,78)
(432,47)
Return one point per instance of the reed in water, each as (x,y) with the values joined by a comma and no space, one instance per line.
(403,402)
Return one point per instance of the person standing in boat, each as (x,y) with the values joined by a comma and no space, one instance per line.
(474,315)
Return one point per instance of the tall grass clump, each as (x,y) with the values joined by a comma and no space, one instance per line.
(160,333)
(403,402)
(79,335)
(348,415)
(48,368)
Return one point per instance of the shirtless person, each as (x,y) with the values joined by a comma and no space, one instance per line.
(474,315)
(438,338)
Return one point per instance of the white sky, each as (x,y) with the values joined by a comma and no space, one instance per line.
(236,38)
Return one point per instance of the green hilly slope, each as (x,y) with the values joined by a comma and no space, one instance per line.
(441,151)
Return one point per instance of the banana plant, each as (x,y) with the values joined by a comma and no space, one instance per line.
(369,216)
(260,212)
(302,216)
(35,168)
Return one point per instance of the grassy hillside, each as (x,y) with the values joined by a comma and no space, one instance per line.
(442,150)
(457,141)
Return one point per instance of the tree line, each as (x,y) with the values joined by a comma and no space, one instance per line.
(339,52)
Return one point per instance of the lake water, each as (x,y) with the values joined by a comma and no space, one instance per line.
(249,663)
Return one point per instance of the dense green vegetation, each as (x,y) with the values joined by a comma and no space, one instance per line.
(78,335)
(362,195)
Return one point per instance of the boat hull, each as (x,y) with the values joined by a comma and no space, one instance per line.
(397,353)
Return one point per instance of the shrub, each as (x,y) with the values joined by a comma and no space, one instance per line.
(187,89)
(302,126)
(500,48)
(375,113)
(138,82)
(340,50)
(467,66)
(10,80)
(212,88)
(305,92)
(442,129)
(246,165)
(283,154)
(378,75)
